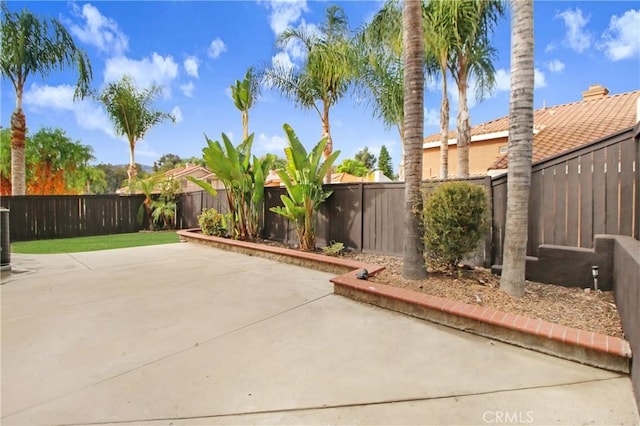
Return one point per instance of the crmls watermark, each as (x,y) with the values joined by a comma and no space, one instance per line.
(508,417)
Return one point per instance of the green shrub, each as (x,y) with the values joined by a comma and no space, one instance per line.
(213,223)
(455,221)
(334,248)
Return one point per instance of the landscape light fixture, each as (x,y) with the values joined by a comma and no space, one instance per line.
(595,273)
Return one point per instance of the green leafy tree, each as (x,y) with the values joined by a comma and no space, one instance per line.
(243,178)
(273,162)
(164,208)
(34,45)
(327,73)
(367,158)
(55,164)
(413,267)
(132,114)
(244,94)
(303,179)
(353,167)
(384,163)
(167,162)
(520,148)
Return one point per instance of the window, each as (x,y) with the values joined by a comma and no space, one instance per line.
(503,149)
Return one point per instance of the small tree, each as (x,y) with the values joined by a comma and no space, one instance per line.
(353,167)
(303,178)
(366,158)
(455,221)
(384,163)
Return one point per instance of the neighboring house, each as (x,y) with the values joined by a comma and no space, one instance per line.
(180,174)
(556,129)
(273,179)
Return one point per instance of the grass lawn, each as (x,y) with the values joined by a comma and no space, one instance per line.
(100,242)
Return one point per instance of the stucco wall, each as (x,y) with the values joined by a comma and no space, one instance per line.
(481,155)
(626,276)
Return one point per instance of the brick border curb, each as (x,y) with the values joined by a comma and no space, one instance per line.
(599,350)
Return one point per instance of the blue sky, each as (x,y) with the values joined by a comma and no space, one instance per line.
(197,49)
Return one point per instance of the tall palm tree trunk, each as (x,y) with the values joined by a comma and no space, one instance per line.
(326,134)
(18,135)
(412,38)
(444,128)
(132,171)
(464,130)
(520,147)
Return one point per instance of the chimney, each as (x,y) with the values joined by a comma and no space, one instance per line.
(595,91)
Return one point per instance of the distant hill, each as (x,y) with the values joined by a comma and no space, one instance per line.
(145,168)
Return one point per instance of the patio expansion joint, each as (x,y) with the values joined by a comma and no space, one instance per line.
(348,405)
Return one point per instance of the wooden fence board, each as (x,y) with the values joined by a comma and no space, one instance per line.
(627,179)
(586,201)
(599,191)
(572,222)
(612,177)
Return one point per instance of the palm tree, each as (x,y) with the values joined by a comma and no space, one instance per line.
(379,71)
(131,112)
(325,77)
(244,93)
(472,55)
(413,46)
(34,45)
(439,27)
(520,147)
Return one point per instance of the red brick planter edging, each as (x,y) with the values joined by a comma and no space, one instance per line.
(583,346)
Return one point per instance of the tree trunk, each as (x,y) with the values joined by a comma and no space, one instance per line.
(132,172)
(412,38)
(464,129)
(444,128)
(519,148)
(18,137)
(245,125)
(326,134)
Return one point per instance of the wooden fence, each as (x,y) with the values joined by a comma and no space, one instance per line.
(366,217)
(593,189)
(65,216)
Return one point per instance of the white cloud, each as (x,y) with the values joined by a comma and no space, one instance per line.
(550,48)
(282,60)
(503,79)
(539,79)
(88,113)
(274,144)
(98,30)
(284,13)
(177,114)
(432,117)
(187,89)
(158,70)
(622,39)
(555,66)
(191,66)
(216,48)
(577,38)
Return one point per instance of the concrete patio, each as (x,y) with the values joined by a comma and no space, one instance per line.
(187,334)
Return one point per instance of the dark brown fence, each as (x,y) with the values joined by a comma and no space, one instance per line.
(593,189)
(65,216)
(364,216)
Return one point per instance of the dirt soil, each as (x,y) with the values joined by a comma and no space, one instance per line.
(584,309)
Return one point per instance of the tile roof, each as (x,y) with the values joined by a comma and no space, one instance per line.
(563,127)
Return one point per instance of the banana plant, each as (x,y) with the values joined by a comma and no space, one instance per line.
(243,178)
(244,93)
(303,177)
